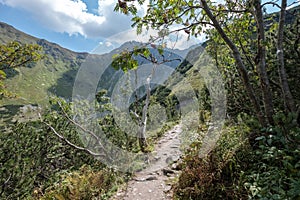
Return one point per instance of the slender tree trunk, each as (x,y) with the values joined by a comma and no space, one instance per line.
(239,63)
(143,123)
(287,95)
(261,62)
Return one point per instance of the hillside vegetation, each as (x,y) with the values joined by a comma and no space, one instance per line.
(34,84)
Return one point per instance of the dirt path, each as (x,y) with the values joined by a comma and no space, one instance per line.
(152,182)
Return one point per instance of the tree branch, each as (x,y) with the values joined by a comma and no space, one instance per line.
(270,3)
(72,144)
(82,128)
(4,184)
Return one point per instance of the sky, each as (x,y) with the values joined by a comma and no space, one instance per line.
(79,25)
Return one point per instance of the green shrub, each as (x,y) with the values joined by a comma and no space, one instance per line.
(275,170)
(242,167)
(31,155)
(83,184)
(216,176)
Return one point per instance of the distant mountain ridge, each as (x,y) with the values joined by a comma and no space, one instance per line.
(57,72)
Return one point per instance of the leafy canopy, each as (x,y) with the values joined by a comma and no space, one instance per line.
(13,55)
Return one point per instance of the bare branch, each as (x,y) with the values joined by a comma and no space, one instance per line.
(293,3)
(160,63)
(270,3)
(279,6)
(81,127)
(72,144)
(4,184)
(6,181)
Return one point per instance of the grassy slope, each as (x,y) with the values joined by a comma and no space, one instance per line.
(32,85)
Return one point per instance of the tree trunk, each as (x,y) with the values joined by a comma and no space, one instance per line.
(143,123)
(261,63)
(239,63)
(287,95)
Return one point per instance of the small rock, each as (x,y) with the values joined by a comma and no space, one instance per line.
(167,171)
(172,159)
(169,160)
(156,158)
(175,167)
(151,178)
(168,188)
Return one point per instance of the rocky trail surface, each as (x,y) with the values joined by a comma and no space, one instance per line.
(153,182)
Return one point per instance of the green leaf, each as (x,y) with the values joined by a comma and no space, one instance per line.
(260,138)
(160,50)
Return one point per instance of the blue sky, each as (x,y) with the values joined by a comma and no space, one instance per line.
(79,25)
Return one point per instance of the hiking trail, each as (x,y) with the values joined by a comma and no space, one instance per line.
(153,182)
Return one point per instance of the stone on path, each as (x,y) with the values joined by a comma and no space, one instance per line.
(150,183)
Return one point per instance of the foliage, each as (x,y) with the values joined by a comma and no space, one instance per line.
(13,55)
(54,74)
(236,95)
(238,168)
(83,184)
(275,170)
(292,56)
(217,175)
(244,51)
(240,27)
(110,128)
(244,32)
(163,96)
(31,155)
(126,59)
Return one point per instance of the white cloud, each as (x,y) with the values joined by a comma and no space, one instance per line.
(72,16)
(108,44)
(177,41)
(181,41)
(173,41)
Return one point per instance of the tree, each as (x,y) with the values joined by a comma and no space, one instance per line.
(127,61)
(14,55)
(288,97)
(194,17)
